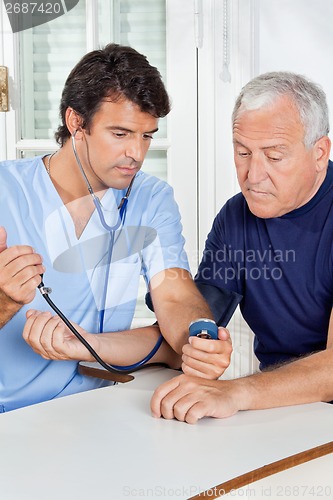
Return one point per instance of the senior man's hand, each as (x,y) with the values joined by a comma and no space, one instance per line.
(189,399)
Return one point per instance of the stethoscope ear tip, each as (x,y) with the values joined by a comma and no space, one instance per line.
(75,132)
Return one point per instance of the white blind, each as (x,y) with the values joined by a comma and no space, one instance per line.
(47,54)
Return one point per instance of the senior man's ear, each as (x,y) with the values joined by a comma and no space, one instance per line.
(322,149)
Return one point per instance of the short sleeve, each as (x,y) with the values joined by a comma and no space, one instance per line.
(167,248)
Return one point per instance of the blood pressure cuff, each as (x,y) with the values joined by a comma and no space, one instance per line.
(222,302)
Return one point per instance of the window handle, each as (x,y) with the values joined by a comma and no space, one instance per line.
(3,88)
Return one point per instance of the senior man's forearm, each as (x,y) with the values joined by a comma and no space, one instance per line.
(177,302)
(307,380)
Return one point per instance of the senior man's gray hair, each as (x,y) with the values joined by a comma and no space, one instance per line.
(307,96)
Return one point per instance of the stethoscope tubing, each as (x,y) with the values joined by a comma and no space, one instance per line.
(111,368)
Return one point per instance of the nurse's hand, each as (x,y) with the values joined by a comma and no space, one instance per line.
(207,358)
(20,270)
(50,337)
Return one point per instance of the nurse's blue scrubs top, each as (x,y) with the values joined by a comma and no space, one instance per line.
(99,271)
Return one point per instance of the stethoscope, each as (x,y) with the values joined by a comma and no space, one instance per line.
(45,291)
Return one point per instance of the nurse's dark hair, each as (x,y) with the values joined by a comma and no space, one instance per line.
(111,73)
(307,96)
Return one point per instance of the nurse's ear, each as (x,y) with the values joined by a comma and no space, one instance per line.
(74,123)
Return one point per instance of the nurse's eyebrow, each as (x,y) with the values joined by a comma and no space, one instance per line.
(124,129)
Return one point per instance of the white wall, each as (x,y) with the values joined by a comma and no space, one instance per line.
(297,35)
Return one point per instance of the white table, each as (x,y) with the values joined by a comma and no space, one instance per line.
(105,444)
